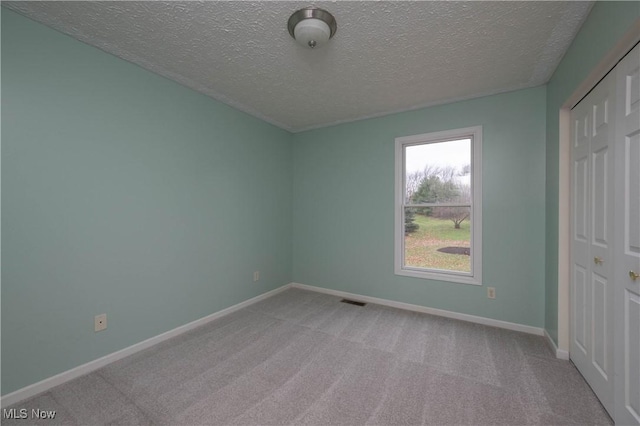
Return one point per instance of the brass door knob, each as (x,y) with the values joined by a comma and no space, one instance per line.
(598,261)
(634,276)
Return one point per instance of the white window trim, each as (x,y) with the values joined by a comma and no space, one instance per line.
(475,277)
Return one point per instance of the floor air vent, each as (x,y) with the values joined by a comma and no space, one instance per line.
(353,302)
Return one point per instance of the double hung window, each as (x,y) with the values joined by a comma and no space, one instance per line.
(438,206)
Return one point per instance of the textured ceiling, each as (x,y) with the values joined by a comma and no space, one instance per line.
(386,56)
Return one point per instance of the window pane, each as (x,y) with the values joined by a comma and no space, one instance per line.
(438,172)
(438,238)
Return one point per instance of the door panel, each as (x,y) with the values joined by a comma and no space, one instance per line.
(632,89)
(627,240)
(592,263)
(581,197)
(601,117)
(580,309)
(632,354)
(600,336)
(632,192)
(600,177)
(581,128)
(580,217)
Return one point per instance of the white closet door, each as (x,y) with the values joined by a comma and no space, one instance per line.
(627,240)
(593,121)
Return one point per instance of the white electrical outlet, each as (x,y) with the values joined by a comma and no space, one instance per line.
(256,276)
(100,322)
(491,292)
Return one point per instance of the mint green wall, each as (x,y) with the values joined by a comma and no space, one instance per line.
(606,23)
(344,195)
(125,193)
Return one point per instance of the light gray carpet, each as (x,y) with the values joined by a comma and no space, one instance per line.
(304,358)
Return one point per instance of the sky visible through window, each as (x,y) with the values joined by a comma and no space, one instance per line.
(456,154)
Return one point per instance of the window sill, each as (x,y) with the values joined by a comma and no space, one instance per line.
(428,275)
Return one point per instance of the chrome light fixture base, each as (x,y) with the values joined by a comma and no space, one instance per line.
(317,15)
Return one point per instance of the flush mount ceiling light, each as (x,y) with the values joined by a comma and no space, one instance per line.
(312,27)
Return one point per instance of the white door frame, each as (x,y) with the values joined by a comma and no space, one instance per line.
(617,52)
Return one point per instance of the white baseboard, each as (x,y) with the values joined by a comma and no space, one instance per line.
(560,353)
(58,379)
(433,311)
